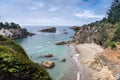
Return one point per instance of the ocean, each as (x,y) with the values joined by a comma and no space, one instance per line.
(43,43)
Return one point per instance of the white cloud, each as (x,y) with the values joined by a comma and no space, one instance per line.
(33,8)
(53,8)
(88,14)
(37,5)
(40,4)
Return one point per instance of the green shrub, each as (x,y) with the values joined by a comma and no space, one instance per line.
(113,45)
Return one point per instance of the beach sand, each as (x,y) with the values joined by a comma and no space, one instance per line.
(87,53)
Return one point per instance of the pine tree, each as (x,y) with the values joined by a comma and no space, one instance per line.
(114,12)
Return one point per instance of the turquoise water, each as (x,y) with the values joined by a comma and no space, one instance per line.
(44,43)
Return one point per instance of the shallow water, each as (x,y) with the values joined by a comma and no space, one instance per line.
(44,43)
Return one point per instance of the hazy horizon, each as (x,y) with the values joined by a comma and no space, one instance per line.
(53,12)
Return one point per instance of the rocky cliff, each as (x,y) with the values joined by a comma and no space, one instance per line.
(15,33)
(15,64)
(13,30)
(97,32)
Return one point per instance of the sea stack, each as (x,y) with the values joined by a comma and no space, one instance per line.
(50,30)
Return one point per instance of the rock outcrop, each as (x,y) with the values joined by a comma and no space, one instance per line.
(50,30)
(63,42)
(75,28)
(94,34)
(48,64)
(15,33)
(65,32)
(48,55)
(15,64)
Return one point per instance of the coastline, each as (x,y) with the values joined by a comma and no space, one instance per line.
(78,71)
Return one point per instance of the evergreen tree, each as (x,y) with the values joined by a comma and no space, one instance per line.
(114,12)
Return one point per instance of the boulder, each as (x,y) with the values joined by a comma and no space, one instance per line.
(63,60)
(48,64)
(65,32)
(61,43)
(48,55)
(64,42)
(50,30)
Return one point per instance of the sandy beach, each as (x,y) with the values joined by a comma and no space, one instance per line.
(87,53)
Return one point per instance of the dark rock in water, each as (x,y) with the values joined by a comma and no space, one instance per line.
(75,28)
(48,64)
(65,32)
(31,34)
(63,60)
(50,30)
(48,55)
(63,42)
(71,37)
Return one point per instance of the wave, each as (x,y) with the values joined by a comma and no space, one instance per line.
(46,33)
(34,47)
(76,60)
(57,32)
(38,47)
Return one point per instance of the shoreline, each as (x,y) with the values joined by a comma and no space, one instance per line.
(78,71)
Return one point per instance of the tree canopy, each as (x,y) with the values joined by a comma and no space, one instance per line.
(114,12)
(7,25)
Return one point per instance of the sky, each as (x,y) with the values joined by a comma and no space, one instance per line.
(53,12)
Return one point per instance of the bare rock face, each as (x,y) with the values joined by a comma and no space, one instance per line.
(50,30)
(104,74)
(93,34)
(75,28)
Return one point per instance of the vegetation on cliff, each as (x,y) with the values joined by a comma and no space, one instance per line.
(15,64)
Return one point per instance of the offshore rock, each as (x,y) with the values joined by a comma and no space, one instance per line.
(48,55)
(50,30)
(48,64)
(63,42)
